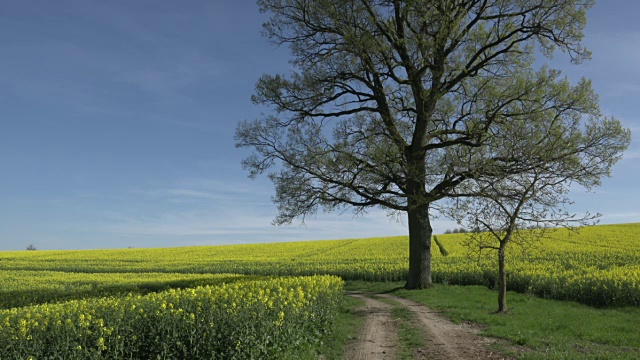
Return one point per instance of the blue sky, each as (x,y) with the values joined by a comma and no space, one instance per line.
(117,122)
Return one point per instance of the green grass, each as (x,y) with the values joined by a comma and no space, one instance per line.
(410,334)
(537,328)
(346,328)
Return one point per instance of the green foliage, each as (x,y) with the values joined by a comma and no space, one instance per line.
(542,328)
(253,319)
(410,332)
(424,98)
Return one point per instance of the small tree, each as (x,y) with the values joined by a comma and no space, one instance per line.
(31,247)
(520,206)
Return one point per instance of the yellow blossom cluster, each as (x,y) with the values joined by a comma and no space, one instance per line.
(246,318)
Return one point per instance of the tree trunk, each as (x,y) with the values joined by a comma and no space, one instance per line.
(502,279)
(419,248)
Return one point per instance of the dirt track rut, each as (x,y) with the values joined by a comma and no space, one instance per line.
(444,339)
(378,337)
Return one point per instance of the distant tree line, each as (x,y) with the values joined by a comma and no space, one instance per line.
(461,230)
(475,230)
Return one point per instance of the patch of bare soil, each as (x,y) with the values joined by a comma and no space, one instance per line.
(379,335)
(445,339)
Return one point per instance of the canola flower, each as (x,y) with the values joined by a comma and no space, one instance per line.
(248,318)
(31,287)
(597,266)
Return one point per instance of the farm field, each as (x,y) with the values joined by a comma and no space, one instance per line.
(597,266)
(258,300)
(240,319)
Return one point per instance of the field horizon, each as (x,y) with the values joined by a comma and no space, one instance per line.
(286,242)
(598,265)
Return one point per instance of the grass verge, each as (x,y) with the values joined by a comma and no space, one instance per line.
(410,334)
(537,328)
(346,328)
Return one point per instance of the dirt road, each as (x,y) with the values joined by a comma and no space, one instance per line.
(379,336)
(445,340)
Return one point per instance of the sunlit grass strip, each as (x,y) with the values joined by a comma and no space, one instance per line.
(542,328)
(245,319)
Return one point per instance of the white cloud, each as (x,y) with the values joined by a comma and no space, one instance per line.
(254,225)
(227,212)
(178,194)
(208,190)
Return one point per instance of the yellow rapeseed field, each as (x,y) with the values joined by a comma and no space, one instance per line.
(244,319)
(598,265)
(262,300)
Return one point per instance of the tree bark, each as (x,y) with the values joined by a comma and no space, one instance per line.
(420,232)
(502,279)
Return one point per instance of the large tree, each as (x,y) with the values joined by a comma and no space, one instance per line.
(383,93)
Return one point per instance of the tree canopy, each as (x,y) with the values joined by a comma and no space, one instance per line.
(394,104)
